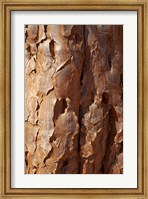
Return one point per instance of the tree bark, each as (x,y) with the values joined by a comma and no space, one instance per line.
(73,99)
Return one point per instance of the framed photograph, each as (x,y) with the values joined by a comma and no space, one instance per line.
(73,99)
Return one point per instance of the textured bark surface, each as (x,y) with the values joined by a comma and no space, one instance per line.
(73,99)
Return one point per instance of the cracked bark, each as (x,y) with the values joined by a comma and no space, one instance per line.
(73,99)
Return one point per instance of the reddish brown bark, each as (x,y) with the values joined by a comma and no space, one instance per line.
(73,99)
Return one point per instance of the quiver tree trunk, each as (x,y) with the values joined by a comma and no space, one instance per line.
(73,99)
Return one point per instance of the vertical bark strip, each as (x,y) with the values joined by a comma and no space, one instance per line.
(73,99)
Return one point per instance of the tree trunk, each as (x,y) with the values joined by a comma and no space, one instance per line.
(73,99)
